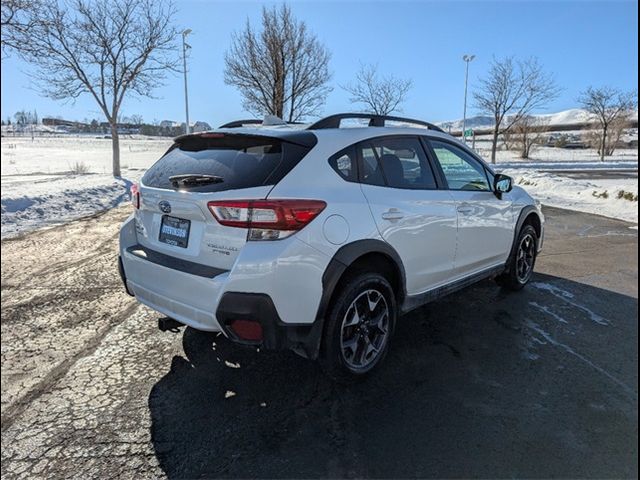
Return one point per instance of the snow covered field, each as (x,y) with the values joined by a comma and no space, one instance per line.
(48,155)
(554,155)
(49,181)
(615,198)
(52,180)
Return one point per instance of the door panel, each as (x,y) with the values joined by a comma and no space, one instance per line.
(485,222)
(421,226)
(485,230)
(411,214)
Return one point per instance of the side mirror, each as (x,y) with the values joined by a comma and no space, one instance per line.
(502,184)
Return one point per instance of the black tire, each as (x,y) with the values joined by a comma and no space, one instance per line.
(358,292)
(518,273)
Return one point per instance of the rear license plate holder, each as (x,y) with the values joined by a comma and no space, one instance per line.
(175,231)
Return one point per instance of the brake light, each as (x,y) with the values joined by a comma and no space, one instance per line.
(211,135)
(266,219)
(135,196)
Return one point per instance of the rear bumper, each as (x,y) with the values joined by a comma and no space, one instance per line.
(123,277)
(276,335)
(175,293)
(288,273)
(188,298)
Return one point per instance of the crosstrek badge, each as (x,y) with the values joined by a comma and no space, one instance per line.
(222,249)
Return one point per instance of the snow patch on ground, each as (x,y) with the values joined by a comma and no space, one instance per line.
(546,337)
(41,201)
(569,298)
(600,197)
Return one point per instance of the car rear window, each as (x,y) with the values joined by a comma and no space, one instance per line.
(241,161)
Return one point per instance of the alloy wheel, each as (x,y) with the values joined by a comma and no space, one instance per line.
(365,330)
(525,258)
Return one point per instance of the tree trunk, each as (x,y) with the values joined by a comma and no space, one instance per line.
(603,146)
(494,144)
(525,145)
(115,146)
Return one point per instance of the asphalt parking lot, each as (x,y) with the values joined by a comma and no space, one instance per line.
(483,383)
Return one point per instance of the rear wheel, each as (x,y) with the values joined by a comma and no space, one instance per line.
(520,268)
(359,326)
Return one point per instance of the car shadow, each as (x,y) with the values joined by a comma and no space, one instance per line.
(483,383)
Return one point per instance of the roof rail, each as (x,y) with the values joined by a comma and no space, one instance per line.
(269,121)
(333,121)
(241,123)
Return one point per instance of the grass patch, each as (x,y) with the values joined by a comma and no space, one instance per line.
(527,183)
(79,168)
(624,195)
(604,194)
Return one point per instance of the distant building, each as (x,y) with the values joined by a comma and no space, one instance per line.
(59,122)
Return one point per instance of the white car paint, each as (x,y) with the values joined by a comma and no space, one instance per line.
(436,242)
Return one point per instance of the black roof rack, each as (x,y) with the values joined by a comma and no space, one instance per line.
(241,123)
(333,121)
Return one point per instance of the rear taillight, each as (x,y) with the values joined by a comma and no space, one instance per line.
(135,196)
(266,219)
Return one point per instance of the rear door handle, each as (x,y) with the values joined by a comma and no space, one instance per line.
(392,214)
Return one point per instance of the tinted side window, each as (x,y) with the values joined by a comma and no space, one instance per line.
(462,171)
(398,162)
(345,164)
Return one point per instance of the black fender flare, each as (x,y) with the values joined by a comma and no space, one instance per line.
(524,214)
(338,264)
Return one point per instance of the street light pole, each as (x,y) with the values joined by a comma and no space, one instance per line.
(467,59)
(184,63)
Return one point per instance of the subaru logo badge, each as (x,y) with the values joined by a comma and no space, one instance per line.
(165,207)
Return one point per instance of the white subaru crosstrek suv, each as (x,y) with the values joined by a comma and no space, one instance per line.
(318,239)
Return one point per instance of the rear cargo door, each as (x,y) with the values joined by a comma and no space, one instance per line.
(173,217)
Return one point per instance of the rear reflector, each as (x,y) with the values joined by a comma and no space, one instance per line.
(266,219)
(249,330)
(135,196)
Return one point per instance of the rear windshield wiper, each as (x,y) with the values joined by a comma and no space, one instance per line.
(193,179)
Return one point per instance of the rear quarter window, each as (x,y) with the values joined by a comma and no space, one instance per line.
(240,161)
(345,164)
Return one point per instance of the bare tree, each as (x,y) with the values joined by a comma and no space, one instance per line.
(615,132)
(107,48)
(137,119)
(380,95)
(511,90)
(14,19)
(526,134)
(283,70)
(612,108)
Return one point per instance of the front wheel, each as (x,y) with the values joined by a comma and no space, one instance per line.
(520,267)
(359,326)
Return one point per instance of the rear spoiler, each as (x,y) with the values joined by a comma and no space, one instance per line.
(303,138)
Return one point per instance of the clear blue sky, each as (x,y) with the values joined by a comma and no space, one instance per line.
(582,42)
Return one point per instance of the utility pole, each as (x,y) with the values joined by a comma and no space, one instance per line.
(184,63)
(467,59)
